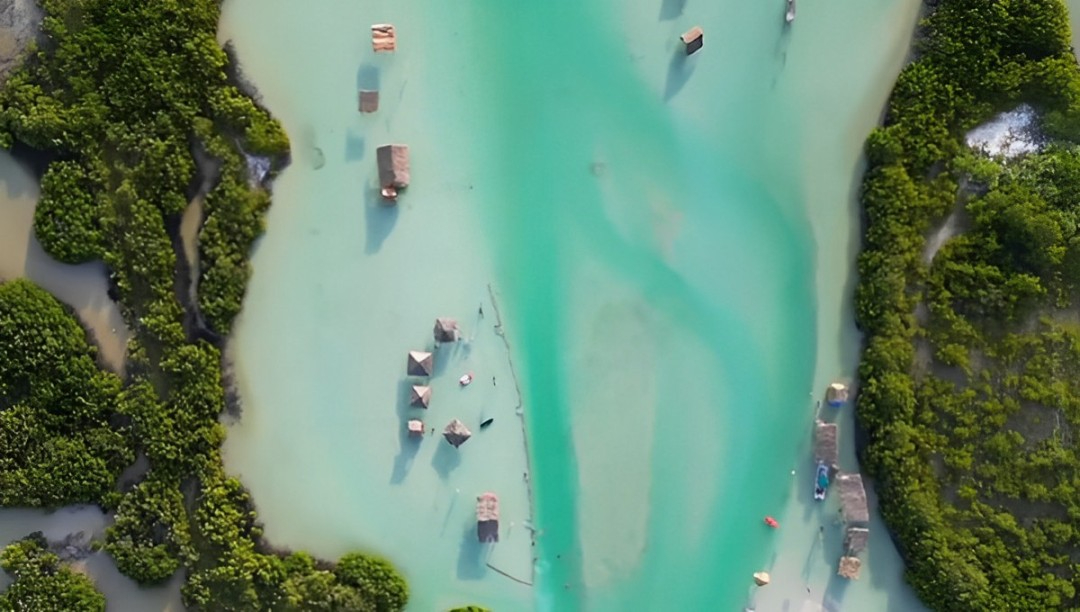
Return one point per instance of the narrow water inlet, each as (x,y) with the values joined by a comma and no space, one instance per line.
(84,287)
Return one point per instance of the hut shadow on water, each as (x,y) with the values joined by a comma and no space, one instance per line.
(354,146)
(379,220)
(472,558)
(409,445)
(367,77)
(671,9)
(680,69)
(446,458)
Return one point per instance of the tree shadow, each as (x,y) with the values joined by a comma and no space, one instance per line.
(446,459)
(379,220)
(473,555)
(671,9)
(408,445)
(680,68)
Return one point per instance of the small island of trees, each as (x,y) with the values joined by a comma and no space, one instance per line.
(970,377)
(119,101)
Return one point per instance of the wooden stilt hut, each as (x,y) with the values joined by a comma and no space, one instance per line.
(393,162)
(456,433)
(487,517)
(383,38)
(420,396)
(826,449)
(420,363)
(369,101)
(416,428)
(693,39)
(446,330)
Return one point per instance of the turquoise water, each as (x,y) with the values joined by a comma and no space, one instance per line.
(671,240)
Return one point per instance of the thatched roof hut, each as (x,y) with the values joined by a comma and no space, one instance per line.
(420,363)
(446,330)
(416,428)
(856,539)
(456,433)
(761,578)
(383,37)
(853,506)
(826,449)
(849,568)
(693,38)
(369,101)
(393,162)
(420,396)
(836,394)
(487,517)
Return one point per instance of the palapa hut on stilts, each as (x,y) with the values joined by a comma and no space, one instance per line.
(694,39)
(369,101)
(446,330)
(383,38)
(456,433)
(849,568)
(853,506)
(393,162)
(416,428)
(761,578)
(487,517)
(420,396)
(420,363)
(826,449)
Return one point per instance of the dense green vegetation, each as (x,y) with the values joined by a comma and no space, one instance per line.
(123,97)
(58,443)
(43,583)
(970,379)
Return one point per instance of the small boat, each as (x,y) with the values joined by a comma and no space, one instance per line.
(465,380)
(790,11)
(486,422)
(771,522)
(821,481)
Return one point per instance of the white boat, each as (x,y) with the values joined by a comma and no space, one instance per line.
(790,11)
(465,379)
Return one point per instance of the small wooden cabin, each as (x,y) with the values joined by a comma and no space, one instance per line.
(393,162)
(826,449)
(693,39)
(416,428)
(856,539)
(446,330)
(369,101)
(456,433)
(487,517)
(420,396)
(420,363)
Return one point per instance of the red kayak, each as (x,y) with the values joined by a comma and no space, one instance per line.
(771,522)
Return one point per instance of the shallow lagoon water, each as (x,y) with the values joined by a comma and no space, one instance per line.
(672,240)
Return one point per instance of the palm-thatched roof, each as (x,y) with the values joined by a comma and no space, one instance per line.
(761,578)
(836,394)
(446,330)
(456,433)
(826,449)
(849,568)
(420,363)
(383,37)
(853,506)
(420,396)
(856,539)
